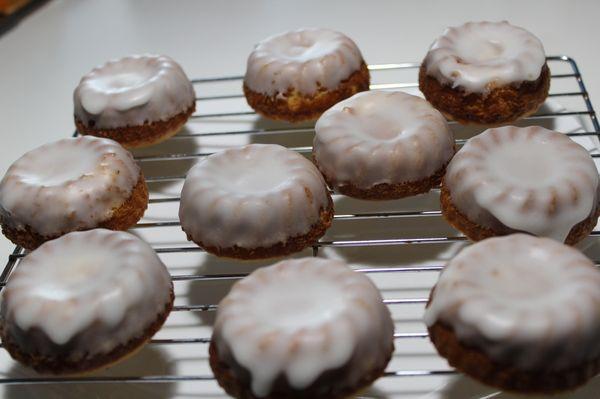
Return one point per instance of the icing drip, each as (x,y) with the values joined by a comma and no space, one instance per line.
(300,318)
(132,91)
(530,179)
(525,301)
(382,137)
(106,292)
(304,59)
(252,196)
(67,185)
(478,56)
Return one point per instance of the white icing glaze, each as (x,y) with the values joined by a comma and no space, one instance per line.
(107,291)
(132,91)
(382,137)
(67,185)
(253,196)
(300,318)
(479,55)
(525,301)
(530,179)
(303,59)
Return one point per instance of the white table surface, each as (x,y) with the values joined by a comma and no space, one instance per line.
(43,58)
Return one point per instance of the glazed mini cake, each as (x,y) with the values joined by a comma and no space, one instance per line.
(256,201)
(71,184)
(138,100)
(303,328)
(487,73)
(513,179)
(520,313)
(84,301)
(382,145)
(296,75)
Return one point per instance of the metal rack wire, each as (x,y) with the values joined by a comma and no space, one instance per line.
(13,259)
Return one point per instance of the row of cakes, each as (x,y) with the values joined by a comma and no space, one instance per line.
(263,201)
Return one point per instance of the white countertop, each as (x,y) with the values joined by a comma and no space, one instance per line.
(43,58)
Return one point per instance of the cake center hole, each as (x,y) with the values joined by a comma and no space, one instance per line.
(304,48)
(383,133)
(372,125)
(255,175)
(125,78)
(523,282)
(299,304)
(82,271)
(523,165)
(484,50)
(491,49)
(74,162)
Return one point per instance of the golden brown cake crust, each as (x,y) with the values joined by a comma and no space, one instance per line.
(292,245)
(59,365)
(296,107)
(478,365)
(122,218)
(502,105)
(140,136)
(386,191)
(476,232)
(325,387)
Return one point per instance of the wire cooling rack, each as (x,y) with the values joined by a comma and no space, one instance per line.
(165,166)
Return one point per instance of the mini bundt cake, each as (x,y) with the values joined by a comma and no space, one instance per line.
(296,75)
(303,328)
(84,301)
(487,73)
(71,184)
(138,100)
(513,179)
(256,201)
(520,313)
(382,145)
